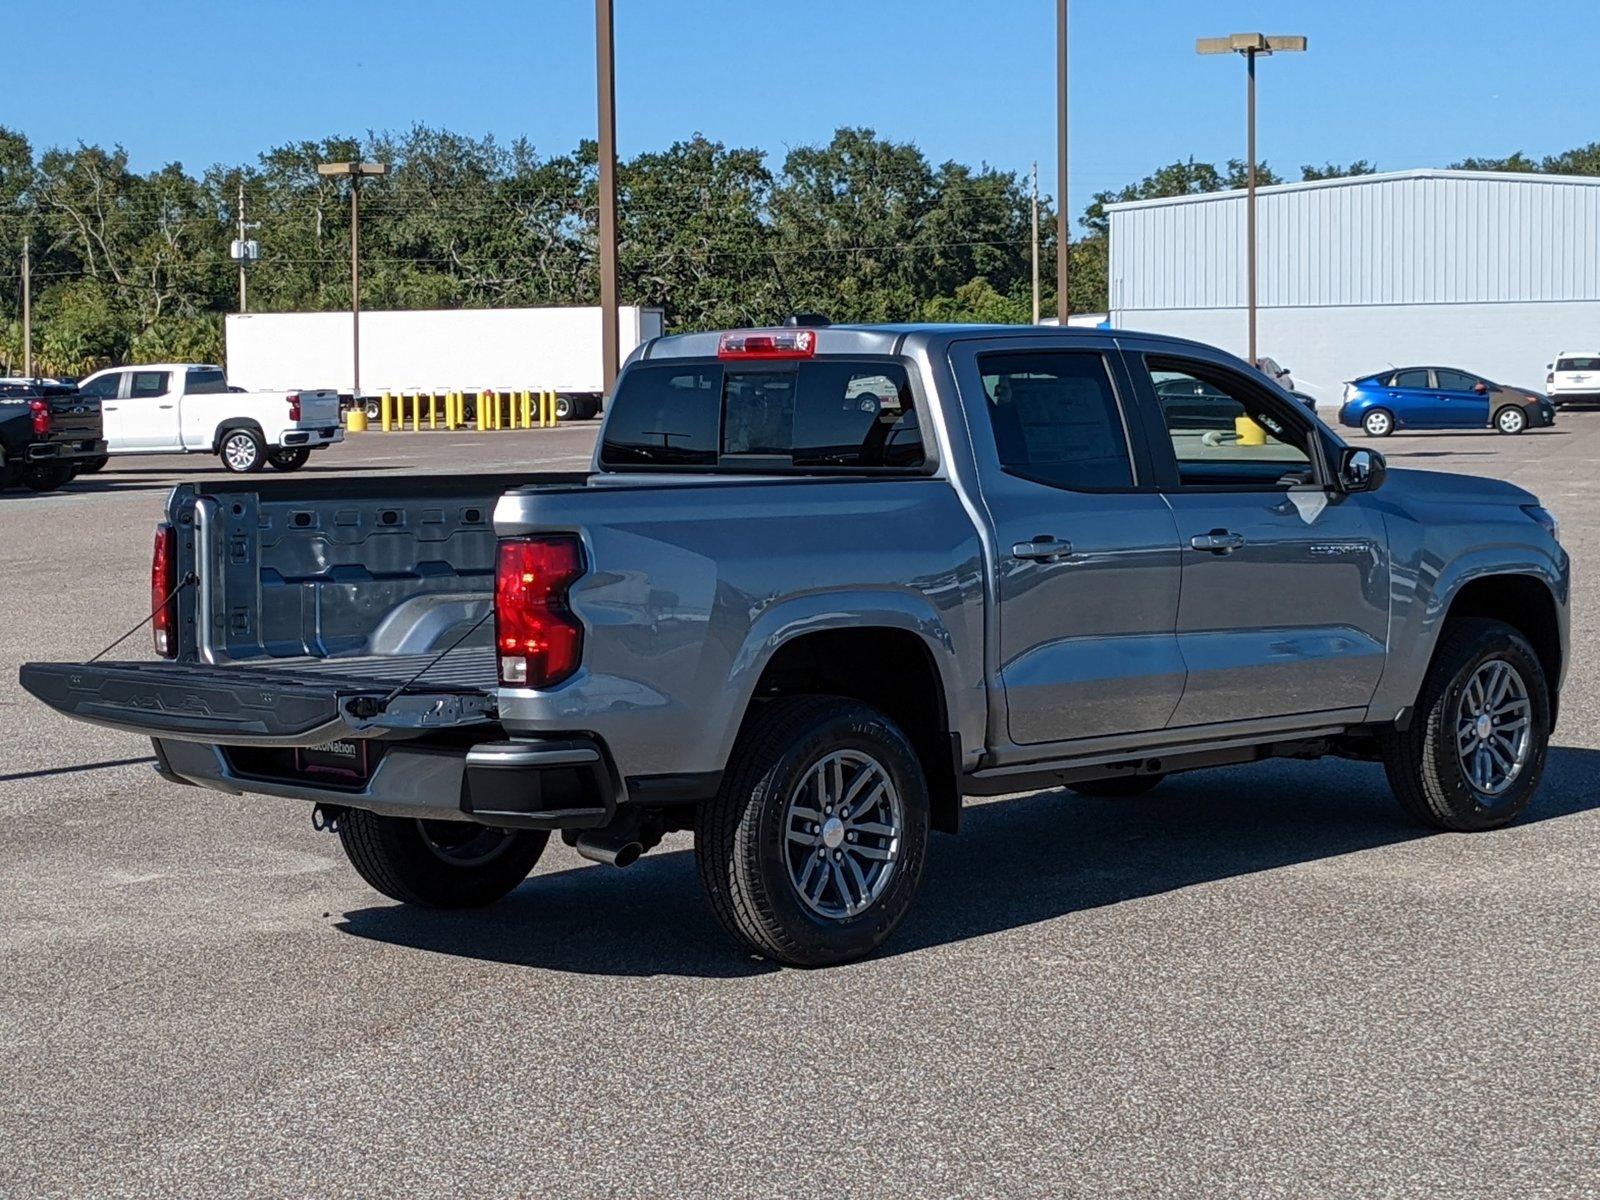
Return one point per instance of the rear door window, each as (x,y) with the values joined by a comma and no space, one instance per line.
(813,415)
(1055,418)
(205,381)
(148,383)
(1410,379)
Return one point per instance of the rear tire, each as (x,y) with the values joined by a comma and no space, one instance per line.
(812,850)
(242,451)
(1510,419)
(45,476)
(1123,787)
(1379,422)
(1431,765)
(565,408)
(438,864)
(289,458)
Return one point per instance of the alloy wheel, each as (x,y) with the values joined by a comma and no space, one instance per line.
(1494,728)
(843,827)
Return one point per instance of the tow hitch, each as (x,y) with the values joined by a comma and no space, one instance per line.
(325,817)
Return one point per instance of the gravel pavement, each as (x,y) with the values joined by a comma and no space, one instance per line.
(1260,981)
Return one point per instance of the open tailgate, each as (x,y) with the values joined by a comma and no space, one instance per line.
(300,702)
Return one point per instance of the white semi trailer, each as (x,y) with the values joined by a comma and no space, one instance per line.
(438,350)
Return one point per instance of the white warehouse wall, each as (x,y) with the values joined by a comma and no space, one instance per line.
(1323,347)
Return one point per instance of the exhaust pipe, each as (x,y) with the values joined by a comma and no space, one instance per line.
(613,851)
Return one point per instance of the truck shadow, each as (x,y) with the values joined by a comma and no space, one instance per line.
(1016,862)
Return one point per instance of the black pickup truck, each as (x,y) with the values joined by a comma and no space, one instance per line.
(48,433)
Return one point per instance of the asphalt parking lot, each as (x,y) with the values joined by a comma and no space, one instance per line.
(1254,982)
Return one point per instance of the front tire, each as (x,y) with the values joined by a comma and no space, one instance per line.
(289,458)
(1511,419)
(438,864)
(1476,747)
(242,451)
(1379,422)
(813,848)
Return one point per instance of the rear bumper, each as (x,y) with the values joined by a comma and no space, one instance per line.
(549,783)
(326,435)
(1574,397)
(50,451)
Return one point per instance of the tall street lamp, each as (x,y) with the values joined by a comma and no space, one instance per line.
(1063,245)
(605,63)
(1251,46)
(357,171)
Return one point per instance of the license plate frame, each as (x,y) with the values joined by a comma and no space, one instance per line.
(346,759)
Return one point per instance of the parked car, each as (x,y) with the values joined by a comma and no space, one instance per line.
(47,433)
(1574,377)
(818,586)
(1439,398)
(1273,371)
(188,408)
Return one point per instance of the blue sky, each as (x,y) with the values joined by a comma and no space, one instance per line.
(1406,83)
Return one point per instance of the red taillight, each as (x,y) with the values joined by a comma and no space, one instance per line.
(294,405)
(41,417)
(768,343)
(163,585)
(537,639)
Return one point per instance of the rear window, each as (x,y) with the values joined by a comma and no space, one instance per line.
(1586,363)
(205,381)
(813,415)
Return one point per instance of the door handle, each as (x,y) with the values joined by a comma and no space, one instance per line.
(1043,548)
(1218,541)
(163,406)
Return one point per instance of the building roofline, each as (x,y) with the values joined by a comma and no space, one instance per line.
(1358,181)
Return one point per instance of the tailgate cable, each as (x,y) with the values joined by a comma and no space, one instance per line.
(189,578)
(365,707)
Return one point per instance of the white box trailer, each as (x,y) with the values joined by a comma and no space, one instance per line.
(435,350)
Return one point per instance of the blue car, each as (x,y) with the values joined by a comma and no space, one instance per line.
(1439,398)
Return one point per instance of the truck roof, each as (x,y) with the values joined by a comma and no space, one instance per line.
(856,339)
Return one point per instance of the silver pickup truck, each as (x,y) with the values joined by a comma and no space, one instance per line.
(821,584)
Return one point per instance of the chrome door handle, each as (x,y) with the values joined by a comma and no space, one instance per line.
(1042,549)
(1218,541)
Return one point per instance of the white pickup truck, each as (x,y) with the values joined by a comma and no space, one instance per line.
(188,408)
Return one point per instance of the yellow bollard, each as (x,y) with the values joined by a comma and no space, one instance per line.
(450,411)
(357,421)
(386,411)
(1248,432)
(544,409)
(527,409)
(555,411)
(488,410)
(433,411)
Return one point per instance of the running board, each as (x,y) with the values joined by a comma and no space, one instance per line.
(1152,760)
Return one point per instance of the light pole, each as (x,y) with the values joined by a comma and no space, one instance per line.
(357,171)
(1063,244)
(606,81)
(1251,46)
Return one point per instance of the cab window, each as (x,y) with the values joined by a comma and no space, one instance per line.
(1226,431)
(1056,420)
(103,387)
(148,383)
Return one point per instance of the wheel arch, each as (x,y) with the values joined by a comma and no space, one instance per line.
(228,425)
(1527,604)
(885,658)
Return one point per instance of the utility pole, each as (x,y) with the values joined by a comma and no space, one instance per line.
(27,311)
(357,171)
(244,305)
(1035,243)
(605,61)
(1063,242)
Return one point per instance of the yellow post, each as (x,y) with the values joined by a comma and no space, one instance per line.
(544,409)
(527,408)
(357,421)
(386,411)
(450,411)
(433,410)
(488,409)
(555,412)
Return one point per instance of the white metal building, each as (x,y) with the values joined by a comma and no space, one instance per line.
(1491,272)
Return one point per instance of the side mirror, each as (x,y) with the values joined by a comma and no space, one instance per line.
(1481,388)
(1361,470)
